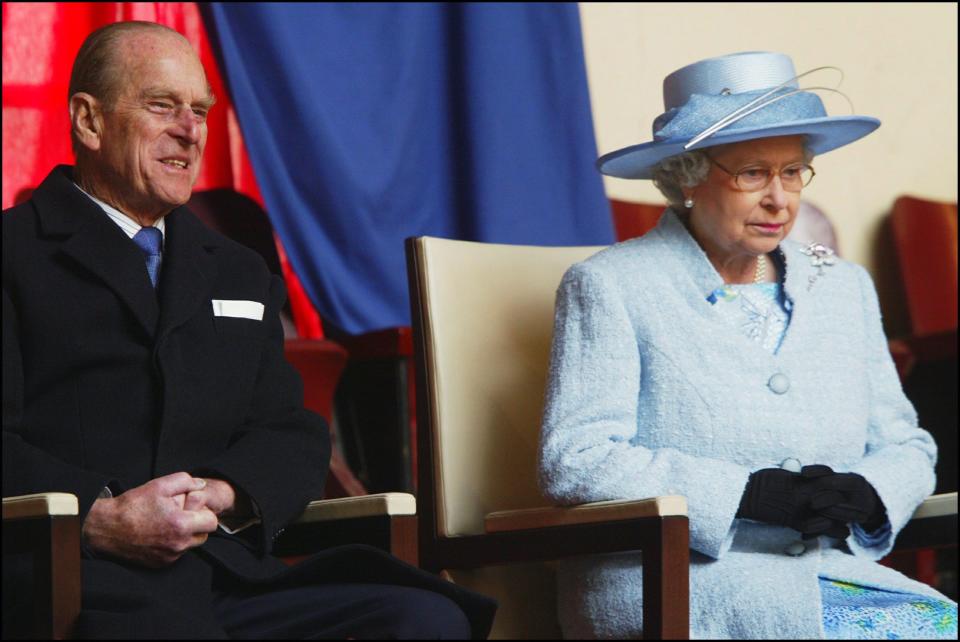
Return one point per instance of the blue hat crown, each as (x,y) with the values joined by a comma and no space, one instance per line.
(733,98)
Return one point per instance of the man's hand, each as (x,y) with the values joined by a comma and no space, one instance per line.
(221,498)
(218,496)
(150,524)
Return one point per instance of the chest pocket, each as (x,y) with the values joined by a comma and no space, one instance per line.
(237,326)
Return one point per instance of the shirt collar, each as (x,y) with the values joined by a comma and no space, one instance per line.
(124,222)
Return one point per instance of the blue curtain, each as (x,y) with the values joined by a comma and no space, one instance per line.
(367,124)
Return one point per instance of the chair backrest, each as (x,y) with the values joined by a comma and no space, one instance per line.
(925,235)
(319,364)
(812,225)
(631,220)
(485,312)
(240,218)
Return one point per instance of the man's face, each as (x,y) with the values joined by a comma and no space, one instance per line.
(154,135)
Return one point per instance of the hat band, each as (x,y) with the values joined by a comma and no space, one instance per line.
(701,112)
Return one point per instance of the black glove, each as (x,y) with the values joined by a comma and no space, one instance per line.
(858,500)
(796,500)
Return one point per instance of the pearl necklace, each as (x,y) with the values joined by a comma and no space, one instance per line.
(760,275)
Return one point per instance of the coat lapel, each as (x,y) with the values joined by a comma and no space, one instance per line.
(801,290)
(189,270)
(694,274)
(96,244)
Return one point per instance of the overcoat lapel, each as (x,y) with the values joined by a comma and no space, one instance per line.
(189,270)
(97,244)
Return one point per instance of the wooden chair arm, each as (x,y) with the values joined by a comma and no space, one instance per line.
(40,505)
(47,526)
(591,513)
(386,520)
(657,526)
(937,506)
(934,524)
(381,504)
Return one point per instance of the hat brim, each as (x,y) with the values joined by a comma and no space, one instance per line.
(823,134)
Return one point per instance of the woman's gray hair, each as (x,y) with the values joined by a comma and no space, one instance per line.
(673,174)
(689,169)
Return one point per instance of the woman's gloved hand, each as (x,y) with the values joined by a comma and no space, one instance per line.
(798,500)
(858,500)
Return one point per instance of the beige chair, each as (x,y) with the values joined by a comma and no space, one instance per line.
(483,321)
(47,526)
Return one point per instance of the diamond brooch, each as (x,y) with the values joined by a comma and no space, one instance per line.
(820,256)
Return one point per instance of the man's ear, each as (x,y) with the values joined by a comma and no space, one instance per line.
(86,120)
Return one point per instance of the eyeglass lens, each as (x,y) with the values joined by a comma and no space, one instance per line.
(793,177)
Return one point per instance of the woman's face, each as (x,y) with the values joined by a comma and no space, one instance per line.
(730,223)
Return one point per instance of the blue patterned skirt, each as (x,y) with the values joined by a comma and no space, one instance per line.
(852,612)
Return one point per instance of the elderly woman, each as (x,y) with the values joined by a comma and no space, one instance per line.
(713,359)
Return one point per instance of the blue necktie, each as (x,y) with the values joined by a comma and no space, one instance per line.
(148,239)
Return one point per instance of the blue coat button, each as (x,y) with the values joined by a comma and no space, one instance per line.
(779,383)
(795,549)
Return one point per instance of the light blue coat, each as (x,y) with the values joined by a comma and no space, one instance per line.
(650,393)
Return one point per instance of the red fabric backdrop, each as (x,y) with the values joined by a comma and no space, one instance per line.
(40,41)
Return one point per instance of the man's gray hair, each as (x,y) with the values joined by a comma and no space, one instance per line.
(689,169)
(95,69)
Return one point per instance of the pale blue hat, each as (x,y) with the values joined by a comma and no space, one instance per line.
(733,98)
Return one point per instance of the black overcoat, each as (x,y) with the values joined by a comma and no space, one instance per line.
(108,381)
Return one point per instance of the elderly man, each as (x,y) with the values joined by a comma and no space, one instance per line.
(143,371)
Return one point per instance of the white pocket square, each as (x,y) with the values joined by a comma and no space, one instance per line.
(238,309)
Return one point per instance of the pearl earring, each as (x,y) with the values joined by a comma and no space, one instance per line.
(688,203)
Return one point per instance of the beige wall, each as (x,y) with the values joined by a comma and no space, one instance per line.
(900,65)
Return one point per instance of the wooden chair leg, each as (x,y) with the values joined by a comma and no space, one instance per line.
(666,582)
(56,564)
(403,538)
(926,564)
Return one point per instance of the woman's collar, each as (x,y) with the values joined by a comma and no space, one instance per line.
(789,258)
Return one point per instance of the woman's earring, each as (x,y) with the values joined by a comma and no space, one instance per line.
(688,203)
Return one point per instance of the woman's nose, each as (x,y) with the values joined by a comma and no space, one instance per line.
(776,196)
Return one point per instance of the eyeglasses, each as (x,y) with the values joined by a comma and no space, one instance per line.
(754,178)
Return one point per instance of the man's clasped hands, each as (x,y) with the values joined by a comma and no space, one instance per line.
(156,523)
